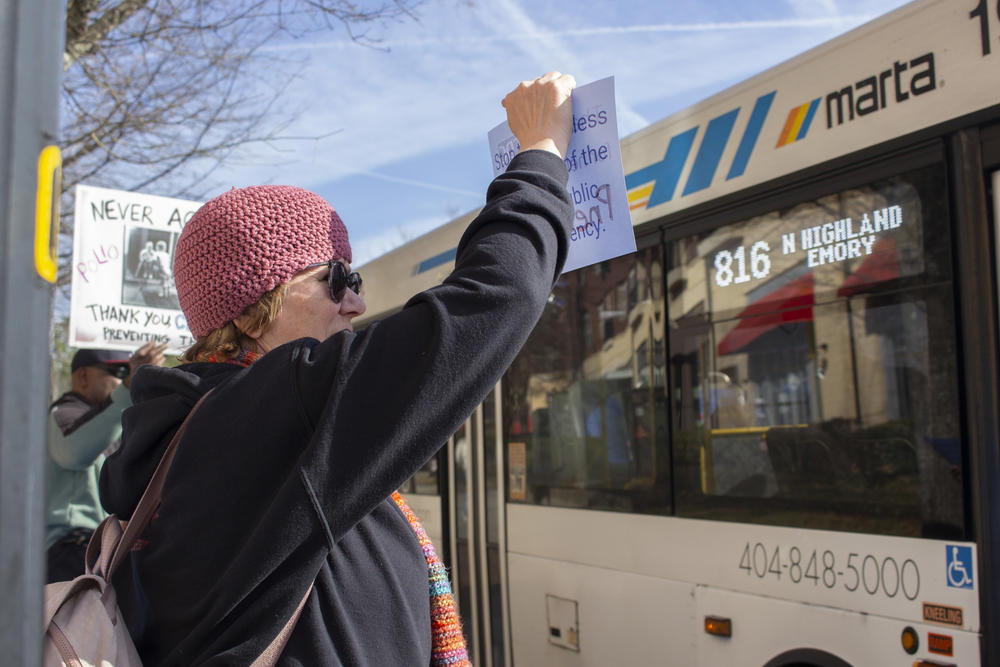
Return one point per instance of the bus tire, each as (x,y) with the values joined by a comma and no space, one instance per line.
(806,657)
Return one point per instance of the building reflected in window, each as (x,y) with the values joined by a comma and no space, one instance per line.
(586,397)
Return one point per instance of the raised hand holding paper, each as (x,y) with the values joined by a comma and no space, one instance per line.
(602,226)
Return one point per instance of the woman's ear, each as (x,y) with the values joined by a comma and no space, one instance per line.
(242,322)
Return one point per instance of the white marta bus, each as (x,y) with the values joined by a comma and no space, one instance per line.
(769,437)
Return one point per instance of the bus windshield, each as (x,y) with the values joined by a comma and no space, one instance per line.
(813,365)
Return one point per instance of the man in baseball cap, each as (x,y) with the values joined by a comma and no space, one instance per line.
(114,361)
(85,425)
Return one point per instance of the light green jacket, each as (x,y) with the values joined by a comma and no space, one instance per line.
(75,460)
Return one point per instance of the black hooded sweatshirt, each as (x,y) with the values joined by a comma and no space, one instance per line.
(284,474)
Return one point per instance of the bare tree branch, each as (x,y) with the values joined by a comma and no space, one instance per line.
(82,38)
(159,92)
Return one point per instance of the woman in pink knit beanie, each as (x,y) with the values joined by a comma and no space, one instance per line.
(280,507)
(246,251)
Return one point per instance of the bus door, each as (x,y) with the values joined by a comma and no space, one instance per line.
(995,178)
(477,533)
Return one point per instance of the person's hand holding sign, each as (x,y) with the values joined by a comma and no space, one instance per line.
(540,112)
(150,353)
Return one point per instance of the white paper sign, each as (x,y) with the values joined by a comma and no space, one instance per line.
(602,225)
(123,293)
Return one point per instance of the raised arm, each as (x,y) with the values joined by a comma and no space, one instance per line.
(405,384)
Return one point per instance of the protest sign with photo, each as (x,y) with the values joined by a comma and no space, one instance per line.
(122,293)
(602,224)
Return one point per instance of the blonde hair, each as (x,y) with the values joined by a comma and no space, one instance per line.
(228,341)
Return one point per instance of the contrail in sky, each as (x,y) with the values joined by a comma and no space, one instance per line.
(414,183)
(822,22)
(550,49)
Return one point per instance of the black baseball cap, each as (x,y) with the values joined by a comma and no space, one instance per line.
(114,361)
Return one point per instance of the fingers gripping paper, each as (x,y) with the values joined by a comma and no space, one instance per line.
(602,226)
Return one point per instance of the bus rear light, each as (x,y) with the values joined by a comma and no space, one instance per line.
(718,626)
(933,663)
(910,640)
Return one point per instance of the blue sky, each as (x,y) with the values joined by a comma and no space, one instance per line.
(404,125)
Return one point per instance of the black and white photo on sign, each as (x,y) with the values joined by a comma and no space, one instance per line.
(147,272)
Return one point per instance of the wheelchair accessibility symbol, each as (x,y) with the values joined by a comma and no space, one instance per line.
(959,566)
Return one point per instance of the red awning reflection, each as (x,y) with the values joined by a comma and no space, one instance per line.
(790,303)
(881,265)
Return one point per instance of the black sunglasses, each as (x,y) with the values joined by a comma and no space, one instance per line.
(120,371)
(339,279)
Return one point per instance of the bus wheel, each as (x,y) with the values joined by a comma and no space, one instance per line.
(806,657)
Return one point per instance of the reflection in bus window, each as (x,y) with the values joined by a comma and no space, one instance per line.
(812,359)
(426,480)
(585,399)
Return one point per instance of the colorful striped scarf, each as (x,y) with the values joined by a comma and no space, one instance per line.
(447,641)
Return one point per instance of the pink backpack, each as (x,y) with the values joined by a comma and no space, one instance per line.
(82,620)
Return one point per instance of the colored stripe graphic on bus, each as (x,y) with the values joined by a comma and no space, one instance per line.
(798,122)
(664,174)
(710,152)
(639,198)
(437,260)
(751,134)
(657,183)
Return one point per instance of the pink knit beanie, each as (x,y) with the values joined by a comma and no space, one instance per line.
(246,242)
